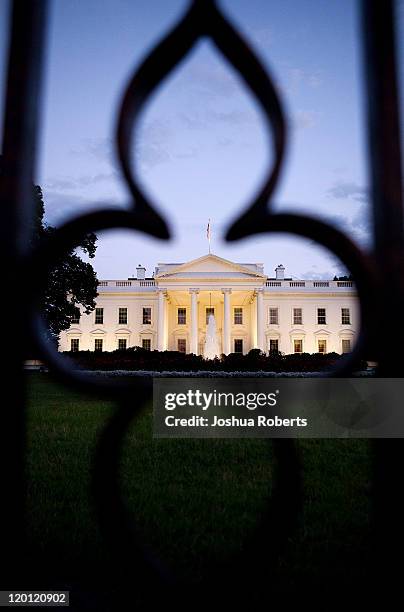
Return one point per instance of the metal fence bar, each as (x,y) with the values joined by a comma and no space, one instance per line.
(385,172)
(387,207)
(19,140)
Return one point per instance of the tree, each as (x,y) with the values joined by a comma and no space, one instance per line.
(73,282)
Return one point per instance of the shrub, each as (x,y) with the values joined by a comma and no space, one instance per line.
(138,358)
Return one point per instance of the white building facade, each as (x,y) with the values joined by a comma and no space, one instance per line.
(170,311)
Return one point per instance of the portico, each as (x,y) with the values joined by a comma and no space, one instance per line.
(236,304)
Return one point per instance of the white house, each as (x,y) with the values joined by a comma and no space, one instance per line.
(170,311)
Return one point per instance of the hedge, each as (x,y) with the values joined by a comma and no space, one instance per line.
(137,358)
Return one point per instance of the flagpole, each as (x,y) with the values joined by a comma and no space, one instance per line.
(208,234)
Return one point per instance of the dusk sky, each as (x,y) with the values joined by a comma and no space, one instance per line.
(203,146)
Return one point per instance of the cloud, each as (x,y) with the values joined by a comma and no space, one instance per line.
(349,190)
(304,119)
(362,221)
(99,148)
(207,76)
(233,117)
(261,36)
(358,224)
(191,153)
(72,183)
(295,78)
(150,155)
(209,117)
(59,206)
(358,227)
(314,274)
(151,149)
(194,121)
(213,78)
(153,143)
(225,142)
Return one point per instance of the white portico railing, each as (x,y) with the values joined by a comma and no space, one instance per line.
(127,283)
(310,284)
(278,284)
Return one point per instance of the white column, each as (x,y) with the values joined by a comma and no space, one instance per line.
(253,321)
(226,322)
(161,320)
(194,321)
(166,320)
(260,319)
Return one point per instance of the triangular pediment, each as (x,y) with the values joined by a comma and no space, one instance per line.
(207,266)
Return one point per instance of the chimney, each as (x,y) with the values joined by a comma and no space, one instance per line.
(140,272)
(280,272)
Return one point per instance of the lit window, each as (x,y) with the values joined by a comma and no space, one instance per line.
(321,316)
(75,320)
(322,346)
(182,316)
(182,345)
(146,344)
(345,316)
(123,316)
(238,316)
(273,316)
(297,317)
(147,316)
(122,342)
(209,311)
(74,345)
(238,345)
(99,316)
(298,346)
(98,344)
(346,346)
(273,345)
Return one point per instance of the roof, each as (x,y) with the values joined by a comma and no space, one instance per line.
(209,266)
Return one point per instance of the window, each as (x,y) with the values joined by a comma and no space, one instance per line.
(273,345)
(182,345)
(238,345)
(74,345)
(98,344)
(209,311)
(346,346)
(345,316)
(75,320)
(146,344)
(122,342)
(238,316)
(321,316)
(297,316)
(322,346)
(298,346)
(273,316)
(123,316)
(182,316)
(147,316)
(99,316)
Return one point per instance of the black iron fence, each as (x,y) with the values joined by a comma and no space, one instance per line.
(379,277)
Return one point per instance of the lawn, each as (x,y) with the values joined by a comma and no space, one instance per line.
(195,500)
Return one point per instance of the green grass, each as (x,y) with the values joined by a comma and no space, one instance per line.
(195,500)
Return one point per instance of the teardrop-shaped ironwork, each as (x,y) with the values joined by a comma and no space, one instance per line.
(202,19)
